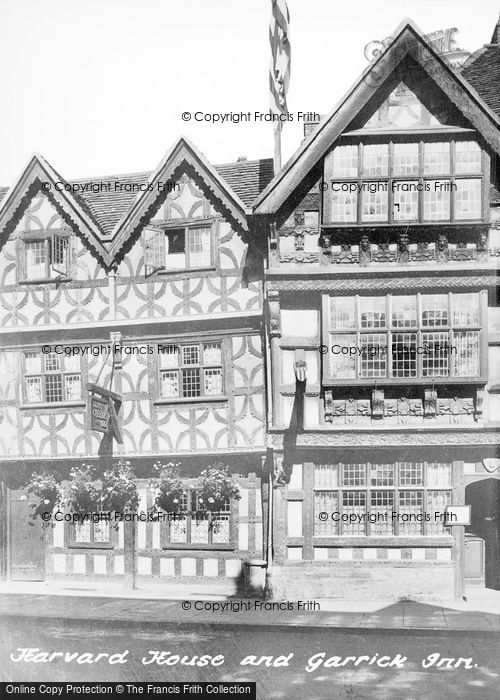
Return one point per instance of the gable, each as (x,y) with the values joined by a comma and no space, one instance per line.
(409,59)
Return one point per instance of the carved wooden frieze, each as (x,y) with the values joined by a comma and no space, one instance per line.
(339,438)
(346,255)
(383,253)
(478,405)
(377,404)
(462,253)
(329,406)
(421,252)
(430,400)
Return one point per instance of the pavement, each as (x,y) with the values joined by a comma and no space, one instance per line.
(157,606)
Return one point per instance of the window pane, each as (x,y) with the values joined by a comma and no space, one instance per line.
(36,260)
(405,159)
(325,502)
(33,363)
(437,200)
(466,353)
(411,506)
(344,205)
(436,503)
(382,474)
(342,313)
(200,254)
(467,157)
(342,365)
(72,387)
(436,158)
(212,354)
(375,205)
(381,504)
(53,388)
(435,353)
(169,383)
(375,159)
(326,476)
(465,309)
(101,531)
(191,383)
(34,389)
(468,199)
(404,312)
(52,362)
(434,310)
(199,528)
(345,161)
(411,474)
(221,531)
(212,382)
(311,219)
(354,503)
(178,528)
(372,312)
(72,363)
(438,475)
(190,355)
(354,474)
(169,356)
(405,201)
(82,531)
(175,249)
(404,354)
(373,359)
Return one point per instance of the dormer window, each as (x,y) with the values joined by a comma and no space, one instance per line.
(45,258)
(172,249)
(406,180)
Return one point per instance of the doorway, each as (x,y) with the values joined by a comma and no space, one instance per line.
(484,498)
(26,540)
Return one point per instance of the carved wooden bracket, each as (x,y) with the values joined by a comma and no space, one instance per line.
(274,313)
(328,406)
(478,406)
(430,403)
(377,404)
(116,341)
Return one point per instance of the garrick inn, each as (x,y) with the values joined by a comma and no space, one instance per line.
(330,332)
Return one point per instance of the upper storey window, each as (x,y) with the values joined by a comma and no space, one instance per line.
(45,258)
(411,181)
(175,249)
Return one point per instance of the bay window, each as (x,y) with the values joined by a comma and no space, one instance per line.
(401,336)
(392,499)
(412,181)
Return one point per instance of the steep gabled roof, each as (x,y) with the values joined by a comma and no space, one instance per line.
(73,209)
(410,58)
(482,70)
(182,157)
(108,217)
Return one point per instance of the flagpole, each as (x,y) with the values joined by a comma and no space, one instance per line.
(277,146)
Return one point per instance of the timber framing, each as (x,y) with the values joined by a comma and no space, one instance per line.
(409,54)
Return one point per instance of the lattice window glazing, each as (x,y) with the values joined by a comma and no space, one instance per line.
(354,503)
(466,353)
(372,312)
(465,309)
(436,200)
(354,474)
(405,159)
(404,354)
(405,201)
(381,509)
(375,160)
(51,378)
(467,157)
(373,358)
(434,310)
(325,502)
(435,356)
(411,473)
(404,311)
(344,205)
(468,198)
(374,205)
(191,371)
(326,476)
(193,524)
(342,313)
(437,158)
(411,508)
(345,161)
(382,474)
(342,365)
(436,504)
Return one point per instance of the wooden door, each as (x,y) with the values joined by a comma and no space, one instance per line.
(27,541)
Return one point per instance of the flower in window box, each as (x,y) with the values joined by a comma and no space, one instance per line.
(168,487)
(44,493)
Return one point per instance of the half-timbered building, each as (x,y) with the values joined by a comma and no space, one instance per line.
(157,268)
(381,298)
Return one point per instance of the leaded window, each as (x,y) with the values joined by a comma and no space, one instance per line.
(402,337)
(51,378)
(191,370)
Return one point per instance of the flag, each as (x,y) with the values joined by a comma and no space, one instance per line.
(279,72)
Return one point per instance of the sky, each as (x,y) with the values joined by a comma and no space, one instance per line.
(98,87)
